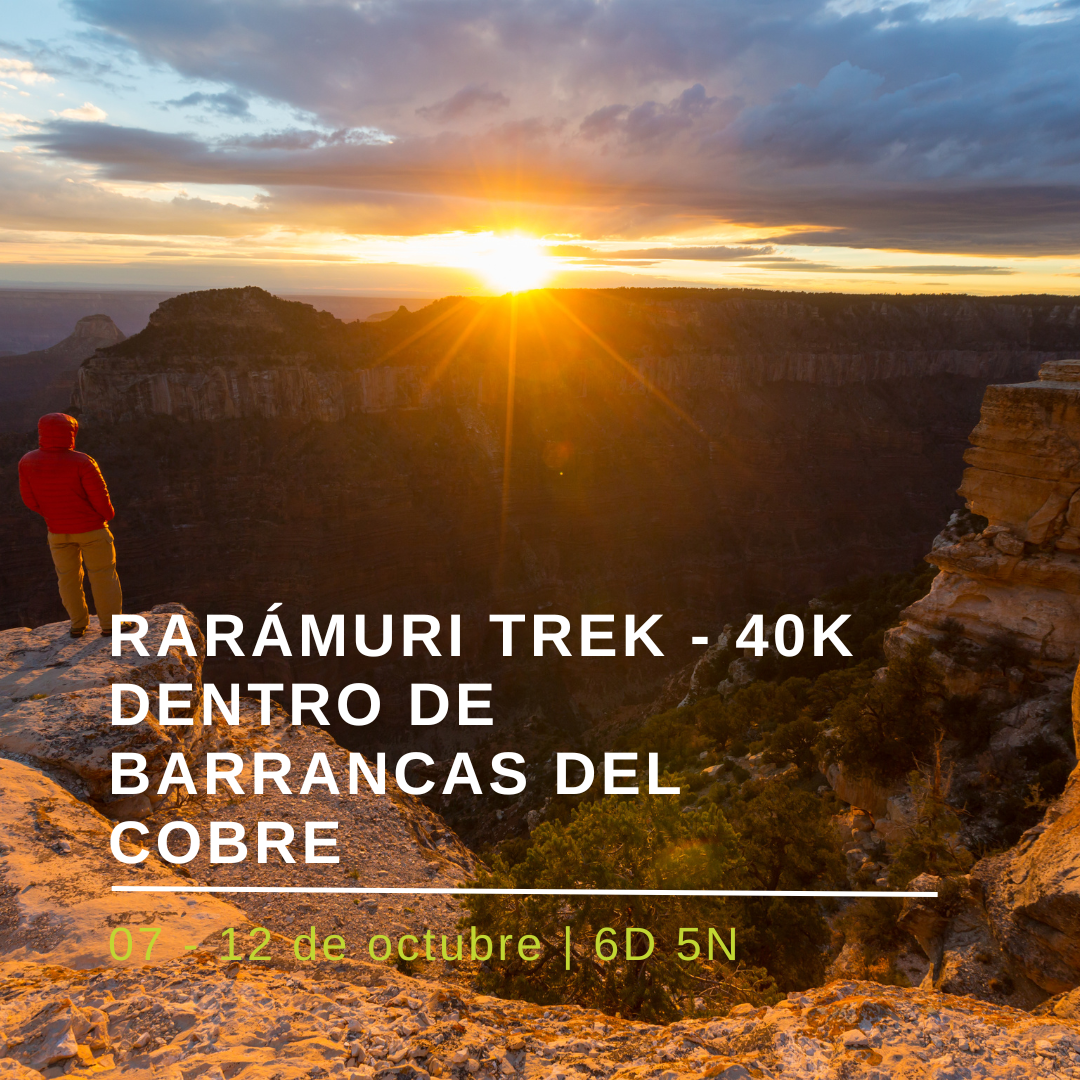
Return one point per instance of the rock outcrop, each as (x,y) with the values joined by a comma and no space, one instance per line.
(1019,576)
(1003,618)
(39,382)
(57,811)
(55,704)
(1031,895)
(57,872)
(200,1017)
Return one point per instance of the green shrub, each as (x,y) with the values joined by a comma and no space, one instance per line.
(793,743)
(932,844)
(888,730)
(641,843)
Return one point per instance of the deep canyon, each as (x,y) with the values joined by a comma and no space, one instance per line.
(701,453)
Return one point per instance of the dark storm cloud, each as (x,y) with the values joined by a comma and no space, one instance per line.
(873,128)
(940,127)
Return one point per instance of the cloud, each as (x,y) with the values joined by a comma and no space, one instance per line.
(22,71)
(603,122)
(1021,124)
(417,185)
(922,128)
(42,195)
(87,111)
(226,103)
(962,268)
(650,124)
(473,98)
(17,122)
(704,254)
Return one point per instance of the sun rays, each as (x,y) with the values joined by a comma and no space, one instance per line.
(495,326)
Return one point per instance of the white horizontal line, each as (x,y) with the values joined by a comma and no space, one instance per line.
(699,641)
(508,892)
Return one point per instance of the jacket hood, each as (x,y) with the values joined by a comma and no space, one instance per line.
(56,431)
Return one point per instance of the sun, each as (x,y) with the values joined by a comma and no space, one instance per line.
(514,263)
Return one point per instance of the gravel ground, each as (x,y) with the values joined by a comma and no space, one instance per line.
(200,1017)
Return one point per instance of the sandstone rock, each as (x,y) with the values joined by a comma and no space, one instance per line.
(58,872)
(1032,896)
(46,662)
(1037,607)
(56,706)
(388,840)
(1004,618)
(10,1069)
(72,733)
(1024,479)
(264,1025)
(1008,544)
(1065,1005)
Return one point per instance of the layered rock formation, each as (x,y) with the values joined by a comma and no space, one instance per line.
(237,353)
(700,453)
(1020,575)
(1003,618)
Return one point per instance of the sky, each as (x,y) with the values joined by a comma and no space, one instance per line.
(429,147)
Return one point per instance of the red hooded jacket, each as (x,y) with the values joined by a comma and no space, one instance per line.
(65,487)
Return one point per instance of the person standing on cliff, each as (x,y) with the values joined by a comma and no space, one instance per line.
(67,489)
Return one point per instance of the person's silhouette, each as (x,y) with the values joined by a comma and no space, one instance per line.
(67,489)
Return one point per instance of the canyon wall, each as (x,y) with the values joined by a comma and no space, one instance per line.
(705,340)
(1003,622)
(700,453)
(1020,575)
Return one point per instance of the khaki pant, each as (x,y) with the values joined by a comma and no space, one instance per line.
(70,552)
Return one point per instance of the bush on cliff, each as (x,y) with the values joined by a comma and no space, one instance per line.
(932,844)
(787,841)
(887,731)
(641,843)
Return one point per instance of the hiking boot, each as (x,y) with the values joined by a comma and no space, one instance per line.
(77,631)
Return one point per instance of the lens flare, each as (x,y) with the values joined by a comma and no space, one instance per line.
(514,264)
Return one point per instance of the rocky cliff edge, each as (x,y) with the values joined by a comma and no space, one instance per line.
(68,1008)
(1003,618)
(57,811)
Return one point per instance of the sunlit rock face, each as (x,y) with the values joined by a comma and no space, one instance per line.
(58,809)
(1003,617)
(1020,574)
